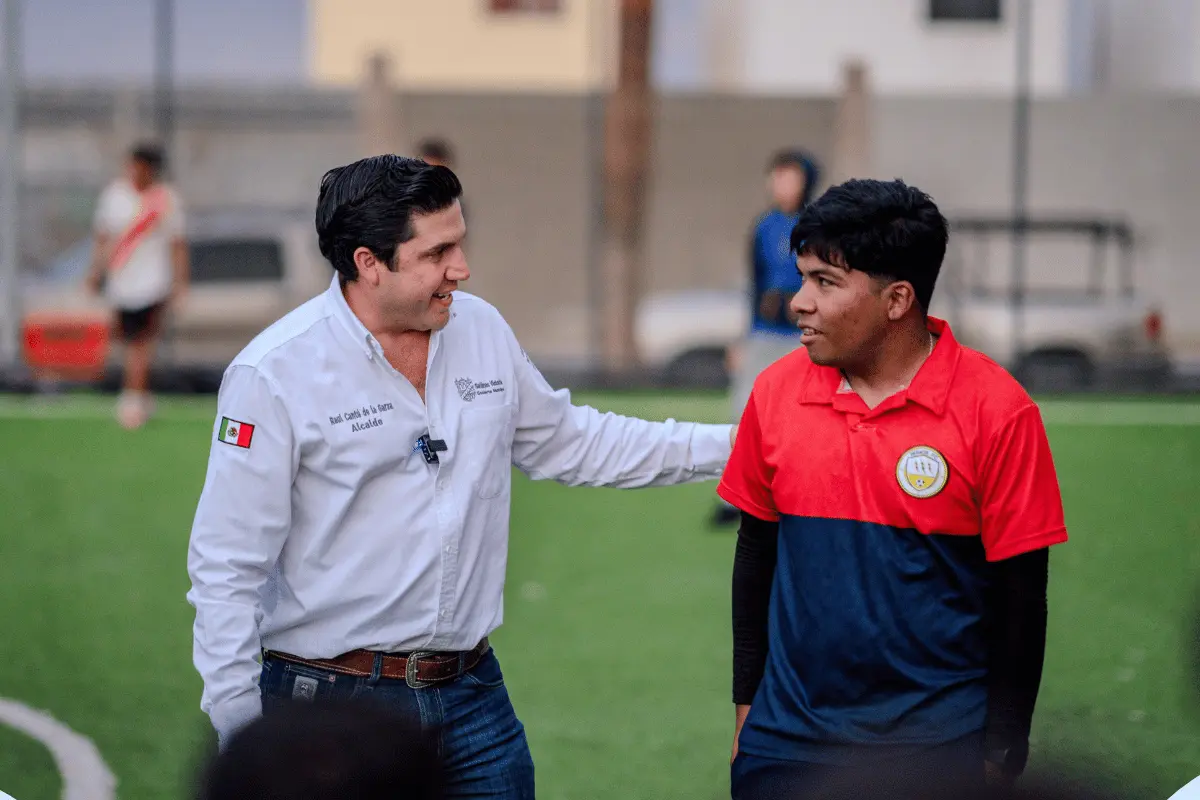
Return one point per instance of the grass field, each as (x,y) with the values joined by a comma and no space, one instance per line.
(616,644)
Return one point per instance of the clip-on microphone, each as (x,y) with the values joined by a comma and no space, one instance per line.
(430,448)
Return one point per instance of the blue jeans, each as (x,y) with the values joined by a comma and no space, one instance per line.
(481,742)
(940,772)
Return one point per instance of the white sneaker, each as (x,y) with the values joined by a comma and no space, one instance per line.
(131,410)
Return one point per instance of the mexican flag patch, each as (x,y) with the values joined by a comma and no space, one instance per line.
(235,433)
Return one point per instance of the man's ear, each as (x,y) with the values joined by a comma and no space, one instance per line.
(900,298)
(368,266)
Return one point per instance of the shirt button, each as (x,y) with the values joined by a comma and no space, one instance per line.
(441,485)
(449,549)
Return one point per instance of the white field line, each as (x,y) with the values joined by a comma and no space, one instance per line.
(85,776)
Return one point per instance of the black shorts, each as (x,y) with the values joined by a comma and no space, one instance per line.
(138,324)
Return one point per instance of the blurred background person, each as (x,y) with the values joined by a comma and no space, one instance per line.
(140,261)
(437,152)
(326,751)
(792,177)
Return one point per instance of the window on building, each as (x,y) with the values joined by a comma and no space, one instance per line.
(236,260)
(543,6)
(964,10)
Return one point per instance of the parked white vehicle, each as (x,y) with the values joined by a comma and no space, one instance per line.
(1103,334)
(248,268)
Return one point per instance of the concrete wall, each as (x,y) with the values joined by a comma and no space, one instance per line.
(799,45)
(530,165)
(1125,157)
(796,46)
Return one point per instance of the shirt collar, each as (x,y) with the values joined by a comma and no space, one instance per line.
(350,321)
(929,387)
(363,338)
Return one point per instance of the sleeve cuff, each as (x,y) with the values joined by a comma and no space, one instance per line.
(232,715)
(711,449)
(739,501)
(1005,550)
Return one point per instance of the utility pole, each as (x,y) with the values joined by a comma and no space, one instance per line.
(627,132)
(852,152)
(164,76)
(379,121)
(10,177)
(1020,177)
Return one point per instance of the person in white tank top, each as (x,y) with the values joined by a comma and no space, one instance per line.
(140,261)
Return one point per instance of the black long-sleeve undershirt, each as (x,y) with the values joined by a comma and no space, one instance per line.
(1016,620)
(1016,647)
(753,572)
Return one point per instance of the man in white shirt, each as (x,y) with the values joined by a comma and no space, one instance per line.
(353,526)
(140,258)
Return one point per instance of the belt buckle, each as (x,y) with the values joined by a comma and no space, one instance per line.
(410,670)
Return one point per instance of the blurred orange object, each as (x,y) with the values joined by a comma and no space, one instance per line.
(66,345)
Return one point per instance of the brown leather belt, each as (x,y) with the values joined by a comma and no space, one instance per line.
(418,669)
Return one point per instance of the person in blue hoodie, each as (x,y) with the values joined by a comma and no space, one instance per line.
(792,177)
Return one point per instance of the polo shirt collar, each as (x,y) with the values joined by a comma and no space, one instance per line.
(929,387)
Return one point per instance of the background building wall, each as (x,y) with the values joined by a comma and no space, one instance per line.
(531,167)
(463,45)
(798,46)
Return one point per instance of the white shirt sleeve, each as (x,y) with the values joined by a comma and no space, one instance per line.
(580,446)
(241,522)
(1189,792)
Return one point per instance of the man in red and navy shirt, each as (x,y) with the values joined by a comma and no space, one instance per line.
(898,500)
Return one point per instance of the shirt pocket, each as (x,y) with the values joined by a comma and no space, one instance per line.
(486,441)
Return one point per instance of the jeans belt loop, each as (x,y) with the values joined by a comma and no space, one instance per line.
(376,670)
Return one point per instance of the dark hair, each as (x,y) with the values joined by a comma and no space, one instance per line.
(150,154)
(803,161)
(887,229)
(325,751)
(371,203)
(436,148)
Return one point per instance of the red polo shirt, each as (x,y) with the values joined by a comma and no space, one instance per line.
(888,517)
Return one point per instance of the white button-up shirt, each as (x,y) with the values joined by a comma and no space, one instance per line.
(322,529)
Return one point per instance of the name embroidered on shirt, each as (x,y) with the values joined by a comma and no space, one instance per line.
(366,413)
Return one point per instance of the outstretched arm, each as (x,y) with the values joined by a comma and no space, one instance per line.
(581,446)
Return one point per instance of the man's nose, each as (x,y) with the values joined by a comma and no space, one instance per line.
(458,270)
(801,302)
